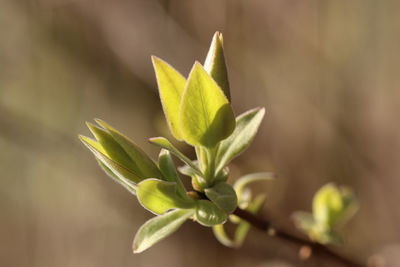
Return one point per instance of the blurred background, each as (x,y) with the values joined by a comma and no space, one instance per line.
(326,71)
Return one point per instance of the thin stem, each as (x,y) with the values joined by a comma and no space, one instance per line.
(316,248)
(210,168)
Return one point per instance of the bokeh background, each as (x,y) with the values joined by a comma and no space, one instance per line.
(326,71)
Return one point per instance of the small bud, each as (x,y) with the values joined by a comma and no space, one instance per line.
(215,64)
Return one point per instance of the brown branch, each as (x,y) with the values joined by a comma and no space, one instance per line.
(316,248)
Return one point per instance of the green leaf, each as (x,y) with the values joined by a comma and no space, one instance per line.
(159,196)
(170,85)
(168,170)
(164,143)
(121,171)
(215,64)
(205,115)
(146,168)
(208,214)
(247,125)
(223,195)
(113,149)
(241,184)
(158,228)
(127,184)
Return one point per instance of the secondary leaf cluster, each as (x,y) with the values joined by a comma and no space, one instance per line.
(331,207)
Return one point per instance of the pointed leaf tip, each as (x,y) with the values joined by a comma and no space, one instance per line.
(215,63)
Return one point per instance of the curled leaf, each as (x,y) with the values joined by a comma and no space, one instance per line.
(240,185)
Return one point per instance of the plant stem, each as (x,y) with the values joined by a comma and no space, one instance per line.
(316,248)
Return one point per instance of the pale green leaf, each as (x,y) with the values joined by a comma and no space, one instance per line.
(167,168)
(215,64)
(205,115)
(166,144)
(208,214)
(146,168)
(223,195)
(170,85)
(159,196)
(247,125)
(121,171)
(158,228)
(127,184)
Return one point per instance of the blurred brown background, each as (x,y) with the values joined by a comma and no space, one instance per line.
(327,72)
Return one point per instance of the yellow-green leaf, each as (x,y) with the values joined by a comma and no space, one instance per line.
(332,204)
(205,115)
(119,170)
(170,85)
(113,149)
(327,205)
(159,196)
(146,168)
